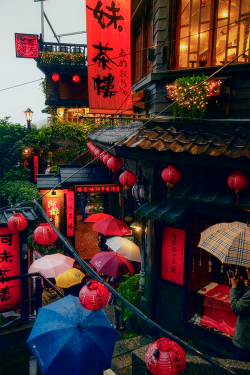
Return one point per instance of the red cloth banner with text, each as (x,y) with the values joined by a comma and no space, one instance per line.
(26,45)
(109,60)
(53,210)
(10,291)
(173,249)
(35,167)
(70,213)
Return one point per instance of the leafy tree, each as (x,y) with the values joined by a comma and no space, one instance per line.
(129,289)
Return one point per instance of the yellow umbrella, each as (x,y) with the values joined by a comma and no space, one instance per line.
(69,278)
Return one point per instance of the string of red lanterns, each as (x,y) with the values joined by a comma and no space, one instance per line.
(56,77)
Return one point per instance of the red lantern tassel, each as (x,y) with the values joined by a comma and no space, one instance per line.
(168,191)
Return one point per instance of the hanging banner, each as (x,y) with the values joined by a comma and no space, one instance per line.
(173,248)
(105,188)
(10,291)
(109,59)
(26,45)
(35,168)
(53,210)
(70,213)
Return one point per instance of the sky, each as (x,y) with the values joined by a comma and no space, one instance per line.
(24,16)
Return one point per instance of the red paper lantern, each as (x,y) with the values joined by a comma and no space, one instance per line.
(76,78)
(55,77)
(106,157)
(102,155)
(238,182)
(97,152)
(114,163)
(44,235)
(94,295)
(17,222)
(165,357)
(127,179)
(171,175)
(89,144)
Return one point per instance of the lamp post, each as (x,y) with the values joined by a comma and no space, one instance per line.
(28,116)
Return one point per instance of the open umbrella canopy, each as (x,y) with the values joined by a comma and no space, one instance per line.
(229,242)
(52,265)
(69,278)
(123,246)
(111,227)
(112,264)
(96,217)
(68,339)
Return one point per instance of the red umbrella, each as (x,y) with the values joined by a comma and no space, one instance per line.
(111,227)
(112,264)
(96,217)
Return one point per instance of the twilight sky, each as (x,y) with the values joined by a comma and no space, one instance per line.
(24,16)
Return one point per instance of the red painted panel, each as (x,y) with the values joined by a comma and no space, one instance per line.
(70,213)
(10,291)
(109,63)
(26,45)
(173,249)
(35,167)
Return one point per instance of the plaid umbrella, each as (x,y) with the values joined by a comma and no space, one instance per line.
(229,242)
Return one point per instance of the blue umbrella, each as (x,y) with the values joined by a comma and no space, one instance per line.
(68,339)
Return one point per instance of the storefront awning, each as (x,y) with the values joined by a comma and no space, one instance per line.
(166,211)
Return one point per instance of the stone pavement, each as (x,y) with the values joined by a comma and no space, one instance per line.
(86,242)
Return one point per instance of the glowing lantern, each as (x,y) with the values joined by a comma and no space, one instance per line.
(114,163)
(165,357)
(127,179)
(106,157)
(55,77)
(17,222)
(238,182)
(44,235)
(94,295)
(76,78)
(171,175)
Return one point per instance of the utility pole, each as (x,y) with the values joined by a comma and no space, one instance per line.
(42,20)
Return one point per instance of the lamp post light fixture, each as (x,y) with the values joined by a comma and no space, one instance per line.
(28,116)
(140,188)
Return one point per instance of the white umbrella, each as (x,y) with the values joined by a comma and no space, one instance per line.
(123,246)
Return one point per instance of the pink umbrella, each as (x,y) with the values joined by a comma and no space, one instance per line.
(96,217)
(52,265)
(111,227)
(112,264)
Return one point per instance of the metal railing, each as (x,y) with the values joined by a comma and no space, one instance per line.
(64,47)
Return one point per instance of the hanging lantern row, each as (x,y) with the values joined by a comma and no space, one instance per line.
(56,78)
(165,357)
(94,295)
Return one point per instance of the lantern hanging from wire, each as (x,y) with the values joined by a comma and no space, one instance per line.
(94,295)
(102,155)
(17,223)
(114,163)
(44,235)
(127,179)
(170,175)
(89,144)
(106,157)
(97,152)
(238,182)
(165,357)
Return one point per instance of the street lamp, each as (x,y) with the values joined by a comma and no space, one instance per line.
(140,188)
(28,116)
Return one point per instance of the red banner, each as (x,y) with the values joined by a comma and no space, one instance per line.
(10,291)
(173,248)
(26,45)
(109,59)
(70,213)
(53,210)
(35,167)
(112,188)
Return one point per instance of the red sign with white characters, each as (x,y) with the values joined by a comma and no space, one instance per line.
(99,188)
(10,291)
(53,210)
(70,213)
(26,45)
(173,249)
(109,65)
(35,167)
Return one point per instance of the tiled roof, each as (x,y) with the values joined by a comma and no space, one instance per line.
(25,211)
(231,143)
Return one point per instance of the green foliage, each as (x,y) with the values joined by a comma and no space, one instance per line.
(55,169)
(61,57)
(193,104)
(42,86)
(129,289)
(17,191)
(56,247)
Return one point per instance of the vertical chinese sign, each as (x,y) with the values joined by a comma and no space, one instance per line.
(173,249)
(53,210)
(10,291)
(70,213)
(35,167)
(109,63)
(26,45)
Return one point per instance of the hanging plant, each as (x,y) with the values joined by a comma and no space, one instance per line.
(61,57)
(193,104)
